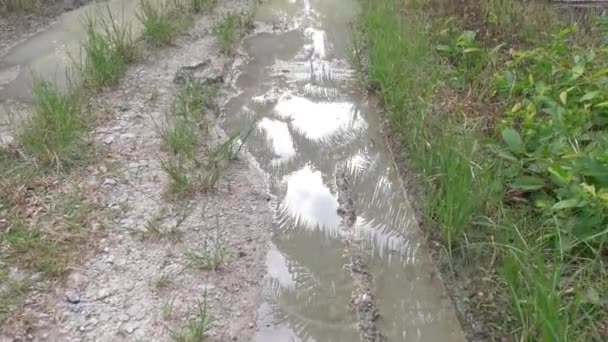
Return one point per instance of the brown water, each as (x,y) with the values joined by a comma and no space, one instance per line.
(50,54)
(312,119)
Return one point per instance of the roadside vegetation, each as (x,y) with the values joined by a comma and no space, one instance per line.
(500,108)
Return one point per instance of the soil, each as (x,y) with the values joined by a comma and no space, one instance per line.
(143,287)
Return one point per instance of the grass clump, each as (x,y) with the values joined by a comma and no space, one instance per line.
(108,49)
(57,122)
(504,121)
(203,6)
(230,31)
(195,329)
(163,22)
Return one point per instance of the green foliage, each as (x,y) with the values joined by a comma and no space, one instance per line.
(203,6)
(163,21)
(56,123)
(555,131)
(228,32)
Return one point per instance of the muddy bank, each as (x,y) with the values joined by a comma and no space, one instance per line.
(144,282)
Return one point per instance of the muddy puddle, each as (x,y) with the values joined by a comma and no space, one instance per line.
(50,54)
(312,123)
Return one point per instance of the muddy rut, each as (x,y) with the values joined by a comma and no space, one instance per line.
(323,245)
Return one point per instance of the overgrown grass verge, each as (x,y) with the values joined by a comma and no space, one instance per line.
(195,329)
(231,29)
(499,107)
(163,21)
(17,6)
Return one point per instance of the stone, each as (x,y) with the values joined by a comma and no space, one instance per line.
(205,72)
(109,181)
(6,139)
(76,281)
(108,139)
(129,328)
(103,294)
(72,297)
(251,325)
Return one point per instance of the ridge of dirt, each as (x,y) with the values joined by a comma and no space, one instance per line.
(139,288)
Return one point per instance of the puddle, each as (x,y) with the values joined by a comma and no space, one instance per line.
(50,54)
(312,121)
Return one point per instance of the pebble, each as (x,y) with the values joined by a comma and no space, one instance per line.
(123,317)
(76,280)
(109,181)
(108,139)
(251,325)
(103,294)
(72,297)
(129,328)
(6,139)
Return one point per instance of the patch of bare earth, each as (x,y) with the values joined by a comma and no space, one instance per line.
(148,282)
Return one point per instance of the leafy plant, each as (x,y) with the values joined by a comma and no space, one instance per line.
(555,131)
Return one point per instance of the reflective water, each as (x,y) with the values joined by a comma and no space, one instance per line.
(311,118)
(51,53)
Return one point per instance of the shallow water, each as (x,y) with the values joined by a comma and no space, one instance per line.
(312,119)
(50,54)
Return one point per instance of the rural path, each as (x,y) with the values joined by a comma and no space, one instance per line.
(322,243)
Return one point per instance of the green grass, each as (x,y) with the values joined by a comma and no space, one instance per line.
(191,100)
(13,293)
(547,277)
(203,6)
(229,32)
(181,137)
(108,49)
(55,127)
(163,22)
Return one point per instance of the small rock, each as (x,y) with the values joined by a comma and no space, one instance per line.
(109,181)
(238,314)
(127,136)
(251,325)
(108,139)
(72,297)
(129,328)
(242,254)
(103,294)
(6,139)
(76,281)
(123,317)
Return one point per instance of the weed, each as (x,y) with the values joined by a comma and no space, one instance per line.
(55,126)
(196,328)
(191,100)
(107,52)
(212,254)
(203,6)
(163,281)
(181,137)
(164,22)
(228,32)
(181,181)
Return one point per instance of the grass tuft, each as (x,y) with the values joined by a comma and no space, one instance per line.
(56,124)
(229,32)
(195,329)
(203,6)
(163,21)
